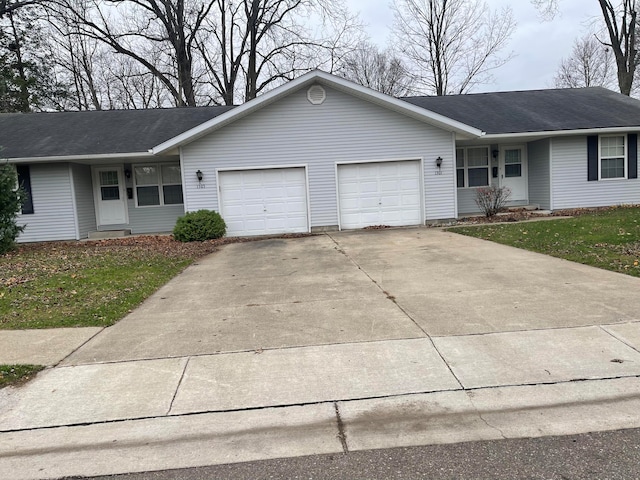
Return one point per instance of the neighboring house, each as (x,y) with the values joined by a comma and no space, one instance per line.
(321,153)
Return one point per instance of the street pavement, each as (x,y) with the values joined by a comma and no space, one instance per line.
(328,344)
(611,455)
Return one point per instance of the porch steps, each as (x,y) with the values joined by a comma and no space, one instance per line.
(109,234)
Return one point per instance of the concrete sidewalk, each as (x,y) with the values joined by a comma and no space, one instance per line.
(328,344)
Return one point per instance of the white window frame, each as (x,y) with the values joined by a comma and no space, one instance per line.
(160,185)
(465,167)
(624,160)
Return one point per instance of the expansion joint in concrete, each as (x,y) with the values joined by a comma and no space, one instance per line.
(80,346)
(612,334)
(175,394)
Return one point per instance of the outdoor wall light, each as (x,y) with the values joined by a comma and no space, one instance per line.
(127,173)
(495,153)
(199,175)
(439,162)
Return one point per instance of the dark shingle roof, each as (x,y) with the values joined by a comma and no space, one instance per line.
(537,110)
(25,135)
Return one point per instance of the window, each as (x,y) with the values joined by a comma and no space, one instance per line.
(109,187)
(24,182)
(159,184)
(513,163)
(472,167)
(613,157)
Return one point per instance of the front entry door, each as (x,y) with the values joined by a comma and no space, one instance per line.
(513,173)
(110,195)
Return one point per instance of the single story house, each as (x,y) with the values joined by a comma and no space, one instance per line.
(320,153)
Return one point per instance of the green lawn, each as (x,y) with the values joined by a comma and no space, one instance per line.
(78,284)
(17,374)
(606,238)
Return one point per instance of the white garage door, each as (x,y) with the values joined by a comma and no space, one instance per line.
(261,202)
(386,193)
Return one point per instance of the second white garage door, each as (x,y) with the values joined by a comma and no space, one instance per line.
(385,193)
(262,202)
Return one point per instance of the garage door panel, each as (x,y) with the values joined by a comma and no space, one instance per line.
(385,193)
(269,201)
(390,186)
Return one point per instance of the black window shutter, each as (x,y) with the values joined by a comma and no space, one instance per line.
(592,157)
(24,181)
(632,151)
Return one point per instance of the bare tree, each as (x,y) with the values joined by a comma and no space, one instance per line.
(590,65)
(621,26)
(378,70)
(204,51)
(620,21)
(453,45)
(252,45)
(141,28)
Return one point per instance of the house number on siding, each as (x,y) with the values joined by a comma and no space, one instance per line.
(201,185)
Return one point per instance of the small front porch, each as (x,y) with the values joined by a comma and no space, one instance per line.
(520,167)
(135,198)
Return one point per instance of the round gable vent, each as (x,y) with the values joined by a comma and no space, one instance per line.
(316,94)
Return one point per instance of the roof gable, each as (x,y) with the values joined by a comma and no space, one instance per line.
(321,78)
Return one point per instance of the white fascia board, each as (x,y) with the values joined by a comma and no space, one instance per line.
(559,133)
(84,158)
(329,80)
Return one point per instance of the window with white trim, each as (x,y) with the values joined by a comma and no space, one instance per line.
(158,184)
(472,167)
(613,157)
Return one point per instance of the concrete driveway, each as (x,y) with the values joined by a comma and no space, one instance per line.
(336,343)
(363,286)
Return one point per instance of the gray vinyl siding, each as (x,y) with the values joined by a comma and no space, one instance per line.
(148,219)
(85,207)
(467,201)
(53,217)
(571,189)
(343,129)
(153,219)
(539,173)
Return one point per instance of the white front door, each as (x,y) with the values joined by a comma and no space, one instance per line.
(110,195)
(380,193)
(513,172)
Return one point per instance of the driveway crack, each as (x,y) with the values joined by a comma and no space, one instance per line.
(484,420)
(342,435)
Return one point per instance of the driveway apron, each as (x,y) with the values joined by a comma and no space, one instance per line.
(363,286)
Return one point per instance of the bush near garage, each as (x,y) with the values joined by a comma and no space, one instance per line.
(199,226)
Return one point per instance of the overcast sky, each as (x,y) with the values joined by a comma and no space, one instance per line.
(538,46)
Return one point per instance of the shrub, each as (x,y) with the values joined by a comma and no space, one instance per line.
(10,204)
(199,226)
(492,200)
